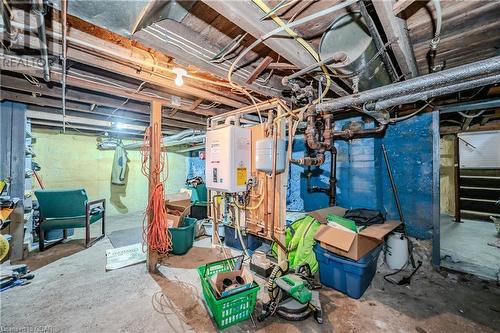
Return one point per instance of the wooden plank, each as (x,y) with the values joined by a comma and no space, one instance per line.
(401,5)
(282,66)
(154,177)
(196,103)
(42,101)
(109,56)
(250,22)
(71,94)
(259,69)
(160,36)
(97,83)
(163,79)
(395,29)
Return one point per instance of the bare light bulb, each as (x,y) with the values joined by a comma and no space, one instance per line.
(178,80)
(180,72)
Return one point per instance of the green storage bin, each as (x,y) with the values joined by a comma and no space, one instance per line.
(183,237)
(230,310)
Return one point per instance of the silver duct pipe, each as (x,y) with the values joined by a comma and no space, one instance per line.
(39,10)
(168,140)
(413,86)
(426,95)
(470,106)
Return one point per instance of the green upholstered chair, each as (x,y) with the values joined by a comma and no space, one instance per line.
(66,209)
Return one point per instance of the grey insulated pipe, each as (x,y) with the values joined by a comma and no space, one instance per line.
(428,94)
(39,9)
(412,86)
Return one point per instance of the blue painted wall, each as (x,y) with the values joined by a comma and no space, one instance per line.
(362,179)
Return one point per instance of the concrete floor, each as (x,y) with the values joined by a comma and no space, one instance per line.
(75,294)
(464,247)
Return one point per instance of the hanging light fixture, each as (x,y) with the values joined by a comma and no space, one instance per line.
(180,72)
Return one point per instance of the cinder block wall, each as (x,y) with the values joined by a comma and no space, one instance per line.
(70,161)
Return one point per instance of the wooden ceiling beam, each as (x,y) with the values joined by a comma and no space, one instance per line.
(54,118)
(395,30)
(71,94)
(196,50)
(259,69)
(106,85)
(251,22)
(132,64)
(80,107)
(98,100)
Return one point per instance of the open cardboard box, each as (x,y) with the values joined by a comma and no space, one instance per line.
(349,244)
(217,282)
(180,202)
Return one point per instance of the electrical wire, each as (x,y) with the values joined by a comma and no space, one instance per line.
(471,116)
(394,120)
(30,78)
(204,55)
(165,306)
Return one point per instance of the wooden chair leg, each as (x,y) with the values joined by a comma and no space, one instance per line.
(103,224)
(87,233)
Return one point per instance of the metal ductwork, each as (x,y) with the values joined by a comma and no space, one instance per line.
(356,56)
(188,136)
(127,17)
(446,81)
(431,93)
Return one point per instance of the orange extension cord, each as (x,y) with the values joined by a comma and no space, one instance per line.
(156,234)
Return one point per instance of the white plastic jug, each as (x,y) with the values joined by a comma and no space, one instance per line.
(396,254)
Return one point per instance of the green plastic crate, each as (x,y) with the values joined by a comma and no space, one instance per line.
(229,310)
(183,237)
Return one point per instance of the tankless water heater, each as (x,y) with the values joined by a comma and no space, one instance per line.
(228,159)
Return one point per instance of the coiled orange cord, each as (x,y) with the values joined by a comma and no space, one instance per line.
(156,234)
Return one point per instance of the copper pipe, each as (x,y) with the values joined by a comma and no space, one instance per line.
(348,134)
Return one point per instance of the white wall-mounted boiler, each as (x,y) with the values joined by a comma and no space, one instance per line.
(228,159)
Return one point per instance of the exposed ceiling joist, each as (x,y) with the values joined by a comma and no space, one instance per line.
(96,83)
(132,62)
(75,95)
(251,22)
(194,50)
(40,118)
(395,30)
(81,107)
(401,5)
(259,69)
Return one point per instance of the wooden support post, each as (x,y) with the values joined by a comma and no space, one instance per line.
(12,167)
(154,177)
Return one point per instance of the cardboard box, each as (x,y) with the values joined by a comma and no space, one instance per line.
(180,203)
(217,282)
(349,244)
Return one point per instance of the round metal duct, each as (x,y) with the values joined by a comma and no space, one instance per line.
(348,41)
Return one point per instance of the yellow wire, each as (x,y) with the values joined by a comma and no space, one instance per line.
(301,41)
